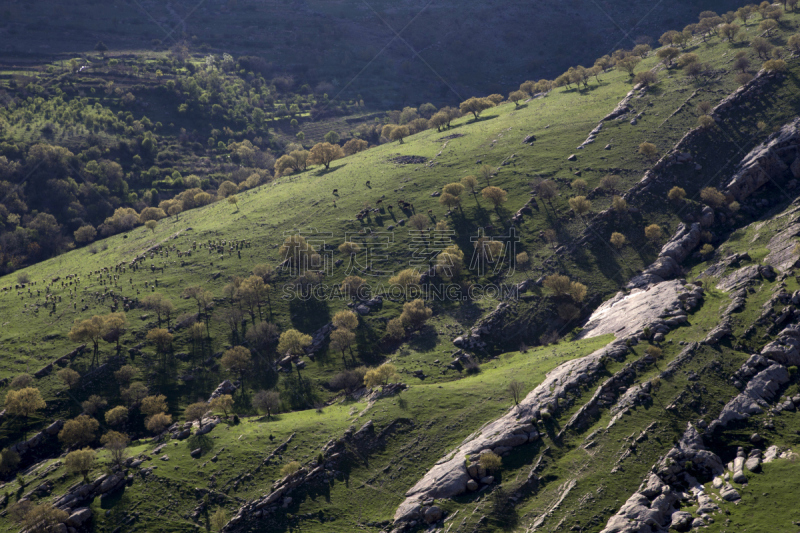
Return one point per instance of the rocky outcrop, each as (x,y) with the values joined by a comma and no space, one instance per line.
(82,494)
(47,436)
(336,454)
(660,306)
(226,387)
(667,265)
(450,476)
(653,507)
(769,161)
(482,332)
(786,348)
(761,390)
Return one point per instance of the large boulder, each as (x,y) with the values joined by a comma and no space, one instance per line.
(226,387)
(79,517)
(767,162)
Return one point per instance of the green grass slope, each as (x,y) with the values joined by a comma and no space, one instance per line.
(445,406)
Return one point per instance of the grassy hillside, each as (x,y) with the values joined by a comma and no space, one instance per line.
(442,405)
(464,47)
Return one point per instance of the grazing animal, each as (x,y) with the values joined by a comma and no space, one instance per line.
(369,183)
(335,191)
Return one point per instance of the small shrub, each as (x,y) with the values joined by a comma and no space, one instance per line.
(676,193)
(490,461)
(290,468)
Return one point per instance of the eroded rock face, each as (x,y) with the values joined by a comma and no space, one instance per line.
(768,161)
(755,398)
(450,477)
(226,387)
(667,266)
(626,315)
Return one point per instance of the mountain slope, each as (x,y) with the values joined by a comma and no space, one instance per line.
(586,461)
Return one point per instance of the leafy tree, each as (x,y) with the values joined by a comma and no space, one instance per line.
(345,319)
(219,519)
(775,65)
(69,377)
(546,190)
(476,106)
(293,342)
(153,404)
(324,154)
(676,194)
(495,195)
(515,388)
(395,329)
(470,183)
(523,262)
(641,50)
(645,78)
(223,402)
(407,279)
(237,360)
(450,262)
(162,339)
(158,422)
(353,286)
(9,459)
(450,201)
(79,431)
(115,326)
(93,404)
(125,374)
(85,233)
(667,54)
(89,330)
(115,442)
(134,394)
(381,375)
(619,204)
(21,381)
(332,137)
(793,44)
(342,339)
(24,402)
(580,204)
(195,411)
(761,46)
(160,305)
(398,133)
(117,416)
(516,96)
(628,64)
(712,197)
(706,122)
(267,401)
(80,462)
(38,518)
(415,314)
(234,201)
(648,150)
(557,283)
(353,146)
(654,233)
(618,240)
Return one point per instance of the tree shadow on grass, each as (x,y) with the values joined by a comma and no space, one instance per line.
(310,314)
(204,442)
(323,171)
(424,340)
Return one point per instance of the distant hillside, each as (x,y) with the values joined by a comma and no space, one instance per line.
(464,46)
